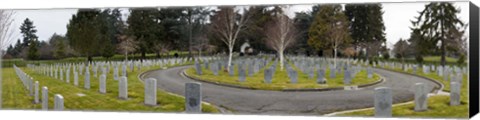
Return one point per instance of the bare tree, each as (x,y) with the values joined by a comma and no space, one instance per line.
(227,24)
(162,48)
(349,52)
(127,45)
(400,49)
(339,35)
(281,34)
(6,36)
(457,41)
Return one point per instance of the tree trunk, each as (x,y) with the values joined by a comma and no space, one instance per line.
(355,56)
(280,54)
(230,52)
(444,49)
(335,57)
(126,56)
(189,34)
(143,56)
(200,53)
(157,54)
(89,59)
(366,53)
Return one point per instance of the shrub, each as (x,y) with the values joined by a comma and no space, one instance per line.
(419,58)
(462,59)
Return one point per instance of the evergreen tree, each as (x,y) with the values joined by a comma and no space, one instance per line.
(29,39)
(111,26)
(28,32)
(367,28)
(145,26)
(33,50)
(255,32)
(194,19)
(83,32)
(59,44)
(434,24)
(17,49)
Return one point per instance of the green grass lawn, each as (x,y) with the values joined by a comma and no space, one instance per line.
(435,60)
(438,58)
(438,106)
(16,96)
(281,80)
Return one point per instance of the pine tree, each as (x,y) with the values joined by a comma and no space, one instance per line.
(83,32)
(33,50)
(28,32)
(434,23)
(111,27)
(29,39)
(145,26)
(367,28)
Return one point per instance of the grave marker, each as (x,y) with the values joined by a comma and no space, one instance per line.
(455,94)
(421,97)
(383,102)
(193,98)
(44,98)
(151,92)
(58,102)
(123,88)
(103,84)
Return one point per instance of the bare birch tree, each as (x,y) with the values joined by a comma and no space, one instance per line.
(127,45)
(329,30)
(227,24)
(281,34)
(6,37)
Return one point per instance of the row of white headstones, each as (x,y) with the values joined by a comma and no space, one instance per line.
(192,90)
(33,89)
(383,99)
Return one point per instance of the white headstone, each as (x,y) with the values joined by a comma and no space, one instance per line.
(37,94)
(75,78)
(44,98)
(421,97)
(123,88)
(151,91)
(383,102)
(103,84)
(193,98)
(86,83)
(67,76)
(115,73)
(58,103)
(455,93)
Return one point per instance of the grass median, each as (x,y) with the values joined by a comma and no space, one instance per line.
(280,80)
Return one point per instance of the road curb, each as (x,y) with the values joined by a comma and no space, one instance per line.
(381,80)
(436,90)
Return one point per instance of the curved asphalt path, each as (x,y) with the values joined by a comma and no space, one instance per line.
(244,101)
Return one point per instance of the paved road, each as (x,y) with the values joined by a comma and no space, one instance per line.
(244,101)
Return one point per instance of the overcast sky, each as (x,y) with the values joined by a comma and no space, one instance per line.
(396,17)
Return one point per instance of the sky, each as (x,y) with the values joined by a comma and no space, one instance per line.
(396,18)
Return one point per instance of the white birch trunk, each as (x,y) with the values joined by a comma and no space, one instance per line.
(230,51)
(335,57)
(280,53)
